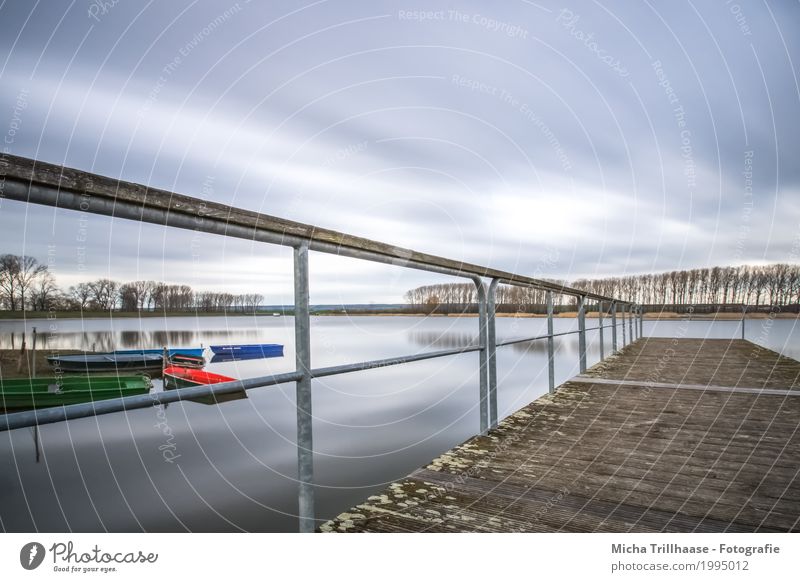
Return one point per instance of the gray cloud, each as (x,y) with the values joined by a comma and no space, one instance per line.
(616,135)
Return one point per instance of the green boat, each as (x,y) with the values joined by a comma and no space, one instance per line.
(29,393)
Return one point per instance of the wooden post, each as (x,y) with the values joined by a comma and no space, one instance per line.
(33,356)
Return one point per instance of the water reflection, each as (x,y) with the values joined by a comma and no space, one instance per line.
(449,339)
(107,341)
(443,340)
(238,463)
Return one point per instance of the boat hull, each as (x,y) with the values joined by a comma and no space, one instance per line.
(251,350)
(195,352)
(90,363)
(180,377)
(35,393)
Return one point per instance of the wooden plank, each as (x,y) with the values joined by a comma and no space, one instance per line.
(617,454)
(703,387)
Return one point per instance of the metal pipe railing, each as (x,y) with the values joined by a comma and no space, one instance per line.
(491,338)
(613,327)
(551,364)
(600,325)
(641,321)
(582,333)
(35,182)
(630,320)
(305,441)
(622,316)
(483,325)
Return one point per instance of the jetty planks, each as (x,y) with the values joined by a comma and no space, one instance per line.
(632,445)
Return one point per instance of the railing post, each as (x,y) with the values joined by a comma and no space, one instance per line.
(582,332)
(744,314)
(641,321)
(622,315)
(632,308)
(551,362)
(483,325)
(305,445)
(600,327)
(637,321)
(613,327)
(491,337)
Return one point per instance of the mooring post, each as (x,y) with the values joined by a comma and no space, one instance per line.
(491,337)
(582,332)
(551,361)
(600,327)
(613,327)
(33,356)
(305,444)
(744,315)
(483,389)
(33,375)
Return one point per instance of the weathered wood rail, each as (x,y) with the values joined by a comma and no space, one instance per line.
(670,435)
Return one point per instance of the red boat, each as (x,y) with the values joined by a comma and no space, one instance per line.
(180,377)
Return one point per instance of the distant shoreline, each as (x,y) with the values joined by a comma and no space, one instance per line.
(43,315)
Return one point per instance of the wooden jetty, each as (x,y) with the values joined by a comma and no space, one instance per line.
(669,435)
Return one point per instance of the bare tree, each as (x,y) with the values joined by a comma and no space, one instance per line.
(44,293)
(81,294)
(104,294)
(9,267)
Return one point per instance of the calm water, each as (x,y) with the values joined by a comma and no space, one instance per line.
(234,465)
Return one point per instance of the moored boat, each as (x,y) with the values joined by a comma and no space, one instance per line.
(196,352)
(241,356)
(182,377)
(106,362)
(187,361)
(264,350)
(29,393)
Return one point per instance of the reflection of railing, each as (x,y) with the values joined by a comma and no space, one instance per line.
(34,182)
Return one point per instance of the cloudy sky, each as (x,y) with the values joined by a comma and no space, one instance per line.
(562,140)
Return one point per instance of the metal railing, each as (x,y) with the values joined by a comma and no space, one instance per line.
(36,182)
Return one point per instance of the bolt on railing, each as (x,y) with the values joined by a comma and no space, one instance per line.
(35,182)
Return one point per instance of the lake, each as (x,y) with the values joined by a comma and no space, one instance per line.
(232,467)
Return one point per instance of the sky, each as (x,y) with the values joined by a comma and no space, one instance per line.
(557,140)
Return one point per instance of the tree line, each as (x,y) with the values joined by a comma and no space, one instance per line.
(455,297)
(27,284)
(776,285)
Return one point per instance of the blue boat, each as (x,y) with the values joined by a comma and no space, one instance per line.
(239,357)
(97,362)
(197,352)
(250,350)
